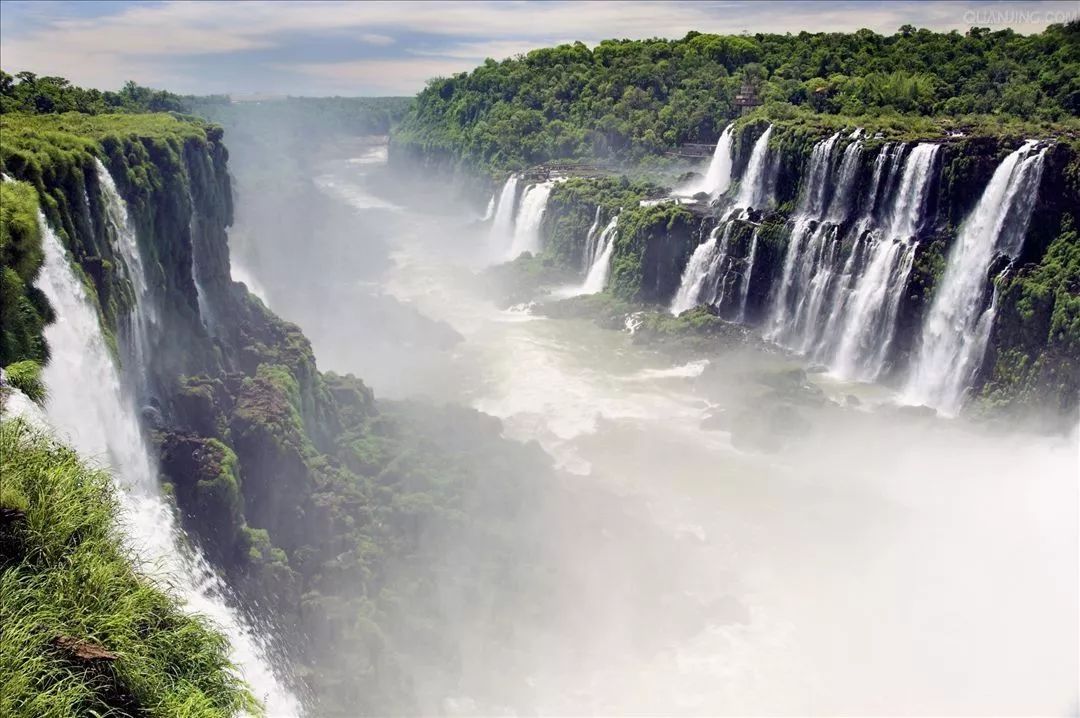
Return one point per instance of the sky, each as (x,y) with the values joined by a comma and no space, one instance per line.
(393,48)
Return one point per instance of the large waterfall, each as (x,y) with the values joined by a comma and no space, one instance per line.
(526,237)
(92,409)
(702,265)
(956,329)
(597,275)
(836,305)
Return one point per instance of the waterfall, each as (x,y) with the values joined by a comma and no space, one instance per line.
(502,225)
(89,407)
(839,205)
(956,329)
(123,239)
(744,290)
(718,176)
(753,188)
(859,347)
(808,263)
(598,272)
(837,309)
(702,264)
(526,236)
(490,211)
(588,257)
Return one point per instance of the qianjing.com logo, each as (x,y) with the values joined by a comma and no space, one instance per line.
(1013,16)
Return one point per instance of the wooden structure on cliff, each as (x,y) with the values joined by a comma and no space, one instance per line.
(748,98)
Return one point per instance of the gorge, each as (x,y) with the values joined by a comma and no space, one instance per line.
(470,405)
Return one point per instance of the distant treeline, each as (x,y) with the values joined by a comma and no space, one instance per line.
(26,92)
(629,98)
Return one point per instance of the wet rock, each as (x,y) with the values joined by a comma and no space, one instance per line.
(852,401)
(817,369)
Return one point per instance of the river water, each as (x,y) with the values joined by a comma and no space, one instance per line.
(865,562)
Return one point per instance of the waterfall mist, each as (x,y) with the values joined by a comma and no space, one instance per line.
(723,534)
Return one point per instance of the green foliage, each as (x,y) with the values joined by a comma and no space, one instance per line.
(23,310)
(26,377)
(66,576)
(28,93)
(629,99)
(1037,342)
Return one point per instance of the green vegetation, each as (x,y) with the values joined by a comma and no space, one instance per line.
(26,377)
(85,633)
(26,92)
(24,311)
(631,99)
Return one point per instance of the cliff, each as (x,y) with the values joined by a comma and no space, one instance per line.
(329,512)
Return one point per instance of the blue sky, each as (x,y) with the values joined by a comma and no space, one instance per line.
(380,48)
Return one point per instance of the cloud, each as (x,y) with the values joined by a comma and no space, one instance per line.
(372,38)
(196,46)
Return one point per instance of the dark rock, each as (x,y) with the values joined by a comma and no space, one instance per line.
(852,400)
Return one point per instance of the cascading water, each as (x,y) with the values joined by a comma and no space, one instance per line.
(702,264)
(502,225)
(598,272)
(842,310)
(717,177)
(860,348)
(811,243)
(588,257)
(744,290)
(490,211)
(753,187)
(123,239)
(957,327)
(89,407)
(526,236)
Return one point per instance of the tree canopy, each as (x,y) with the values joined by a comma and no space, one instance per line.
(632,98)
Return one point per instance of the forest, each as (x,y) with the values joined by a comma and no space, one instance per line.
(629,99)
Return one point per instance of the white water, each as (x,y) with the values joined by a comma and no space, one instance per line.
(697,271)
(490,211)
(753,188)
(588,255)
(861,348)
(123,239)
(526,236)
(842,311)
(717,177)
(90,409)
(748,272)
(957,327)
(502,224)
(596,279)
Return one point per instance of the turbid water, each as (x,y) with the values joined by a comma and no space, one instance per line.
(850,561)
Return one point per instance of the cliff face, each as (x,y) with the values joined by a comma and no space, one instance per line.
(303,489)
(1031,354)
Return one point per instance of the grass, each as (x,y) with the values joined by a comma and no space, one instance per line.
(64,574)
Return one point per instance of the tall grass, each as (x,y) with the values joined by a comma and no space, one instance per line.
(65,573)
